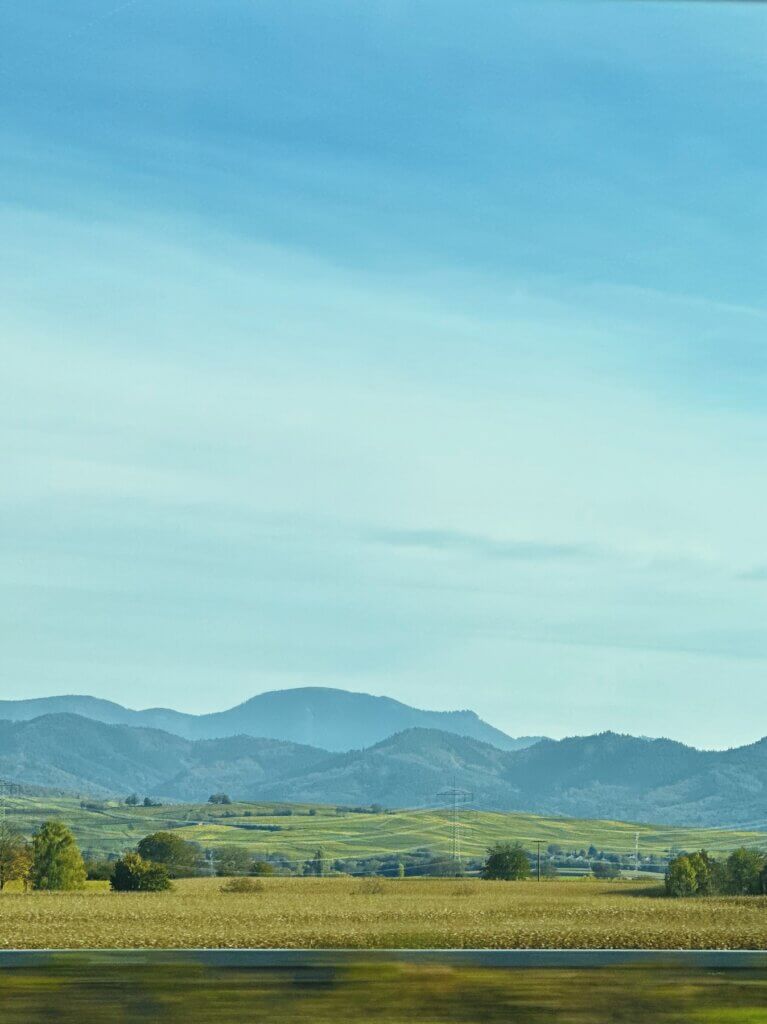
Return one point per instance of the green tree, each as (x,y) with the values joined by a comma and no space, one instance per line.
(56,861)
(262,868)
(131,873)
(605,869)
(178,856)
(506,862)
(219,798)
(315,866)
(680,877)
(232,860)
(14,854)
(132,800)
(744,872)
(702,866)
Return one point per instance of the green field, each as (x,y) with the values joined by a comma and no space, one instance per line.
(115,827)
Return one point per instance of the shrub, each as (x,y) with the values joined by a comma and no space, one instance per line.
(262,868)
(605,870)
(134,874)
(56,860)
(242,886)
(506,862)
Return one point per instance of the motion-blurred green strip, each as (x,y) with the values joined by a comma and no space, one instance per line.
(82,991)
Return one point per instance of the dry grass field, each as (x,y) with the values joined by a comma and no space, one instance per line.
(359,913)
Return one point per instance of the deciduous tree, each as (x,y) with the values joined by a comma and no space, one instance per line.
(132,873)
(56,860)
(15,857)
(178,856)
(506,862)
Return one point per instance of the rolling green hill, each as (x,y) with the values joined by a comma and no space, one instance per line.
(606,776)
(302,828)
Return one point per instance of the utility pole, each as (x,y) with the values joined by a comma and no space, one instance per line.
(458,798)
(636,854)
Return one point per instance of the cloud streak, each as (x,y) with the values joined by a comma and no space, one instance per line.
(457,542)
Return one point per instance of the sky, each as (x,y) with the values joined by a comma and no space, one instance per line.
(417,348)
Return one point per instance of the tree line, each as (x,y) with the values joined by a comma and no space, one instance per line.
(53,860)
(743,873)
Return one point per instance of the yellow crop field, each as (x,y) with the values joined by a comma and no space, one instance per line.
(377,913)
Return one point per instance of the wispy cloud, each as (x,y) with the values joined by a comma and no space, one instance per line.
(458,542)
(758,574)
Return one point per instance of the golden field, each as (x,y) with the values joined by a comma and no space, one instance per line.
(383,913)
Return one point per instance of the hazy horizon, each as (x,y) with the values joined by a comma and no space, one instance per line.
(415,350)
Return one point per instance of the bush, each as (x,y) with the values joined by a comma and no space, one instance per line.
(134,874)
(262,868)
(507,862)
(605,870)
(56,860)
(242,886)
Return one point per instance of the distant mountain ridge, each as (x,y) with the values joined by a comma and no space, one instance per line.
(606,776)
(316,716)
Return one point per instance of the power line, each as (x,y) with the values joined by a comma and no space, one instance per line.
(459,797)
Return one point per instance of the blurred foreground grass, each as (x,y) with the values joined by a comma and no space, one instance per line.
(80,992)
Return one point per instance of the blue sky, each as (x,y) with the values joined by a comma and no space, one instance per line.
(415,348)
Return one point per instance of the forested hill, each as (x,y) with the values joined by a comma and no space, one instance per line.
(602,776)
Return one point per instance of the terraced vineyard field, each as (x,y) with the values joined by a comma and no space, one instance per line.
(378,913)
(264,828)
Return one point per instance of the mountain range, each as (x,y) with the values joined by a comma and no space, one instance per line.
(602,776)
(318,716)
